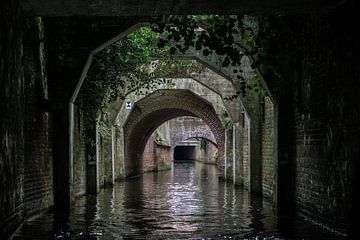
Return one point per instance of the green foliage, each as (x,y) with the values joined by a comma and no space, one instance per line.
(226,120)
(126,66)
(272,40)
(173,68)
(159,138)
(208,34)
(280,48)
(211,34)
(256,85)
(103,129)
(216,155)
(122,68)
(203,144)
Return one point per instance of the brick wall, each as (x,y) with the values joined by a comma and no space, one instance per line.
(267,147)
(105,161)
(183,128)
(80,158)
(11,118)
(149,158)
(158,107)
(229,153)
(245,151)
(156,156)
(327,119)
(38,180)
(119,153)
(163,157)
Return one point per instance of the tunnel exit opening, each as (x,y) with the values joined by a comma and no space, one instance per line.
(184,153)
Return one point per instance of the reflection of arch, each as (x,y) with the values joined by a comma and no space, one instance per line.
(157,108)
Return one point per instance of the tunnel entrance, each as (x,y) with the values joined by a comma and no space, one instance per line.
(184,153)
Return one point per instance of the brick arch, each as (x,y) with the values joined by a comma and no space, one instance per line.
(198,137)
(158,107)
(207,135)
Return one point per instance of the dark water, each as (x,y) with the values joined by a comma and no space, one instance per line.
(187,202)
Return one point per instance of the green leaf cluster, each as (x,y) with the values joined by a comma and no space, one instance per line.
(122,68)
(203,144)
(211,34)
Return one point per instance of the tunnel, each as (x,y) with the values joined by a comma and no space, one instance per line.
(305,132)
(157,108)
(183,153)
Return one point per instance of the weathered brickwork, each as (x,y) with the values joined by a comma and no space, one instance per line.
(267,148)
(229,153)
(38,178)
(149,161)
(184,128)
(119,153)
(158,107)
(156,156)
(80,158)
(207,155)
(245,146)
(105,161)
(327,119)
(12,114)
(163,157)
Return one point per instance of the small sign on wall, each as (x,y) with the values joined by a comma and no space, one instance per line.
(128,104)
(91,159)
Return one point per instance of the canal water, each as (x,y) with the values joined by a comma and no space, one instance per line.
(187,202)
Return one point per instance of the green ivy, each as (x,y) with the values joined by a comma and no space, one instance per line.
(203,144)
(122,68)
(256,84)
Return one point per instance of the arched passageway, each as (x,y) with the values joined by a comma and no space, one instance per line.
(182,153)
(157,108)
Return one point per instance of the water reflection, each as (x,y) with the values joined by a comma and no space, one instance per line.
(187,202)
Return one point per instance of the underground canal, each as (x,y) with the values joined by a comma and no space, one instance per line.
(187,202)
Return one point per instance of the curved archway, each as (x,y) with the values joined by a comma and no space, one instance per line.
(193,128)
(157,108)
(198,138)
